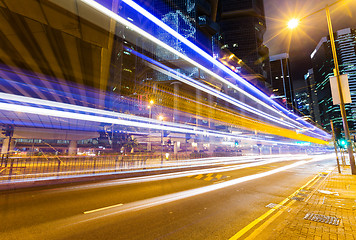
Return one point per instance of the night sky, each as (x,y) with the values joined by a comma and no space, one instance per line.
(301,42)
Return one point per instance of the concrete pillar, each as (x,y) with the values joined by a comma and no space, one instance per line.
(210,147)
(198,106)
(72,150)
(5,145)
(149,145)
(176,101)
(210,111)
(200,146)
(176,147)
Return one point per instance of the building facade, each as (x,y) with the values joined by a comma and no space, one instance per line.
(281,80)
(242,26)
(323,66)
(312,95)
(303,103)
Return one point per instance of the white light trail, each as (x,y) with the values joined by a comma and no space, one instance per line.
(119,118)
(217,94)
(243,162)
(156,201)
(138,30)
(208,57)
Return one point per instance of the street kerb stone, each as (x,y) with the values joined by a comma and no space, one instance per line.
(332,208)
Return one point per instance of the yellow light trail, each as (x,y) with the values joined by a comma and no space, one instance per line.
(227,116)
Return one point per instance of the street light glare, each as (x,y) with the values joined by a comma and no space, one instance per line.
(160,117)
(152,102)
(293,23)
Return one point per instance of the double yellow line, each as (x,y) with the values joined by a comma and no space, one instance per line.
(279,206)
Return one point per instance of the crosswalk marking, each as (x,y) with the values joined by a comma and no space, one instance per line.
(210,177)
(199,176)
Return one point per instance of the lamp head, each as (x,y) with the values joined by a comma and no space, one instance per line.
(293,23)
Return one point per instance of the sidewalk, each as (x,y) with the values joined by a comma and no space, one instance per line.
(325,211)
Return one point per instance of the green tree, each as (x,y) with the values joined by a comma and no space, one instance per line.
(131,144)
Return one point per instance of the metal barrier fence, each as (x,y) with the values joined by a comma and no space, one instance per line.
(18,168)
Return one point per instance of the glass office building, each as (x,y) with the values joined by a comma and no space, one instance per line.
(242,28)
(323,66)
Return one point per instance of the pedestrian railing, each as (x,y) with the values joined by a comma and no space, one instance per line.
(13,168)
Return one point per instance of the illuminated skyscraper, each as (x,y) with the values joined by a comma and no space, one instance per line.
(281,81)
(195,20)
(312,94)
(242,26)
(302,102)
(323,65)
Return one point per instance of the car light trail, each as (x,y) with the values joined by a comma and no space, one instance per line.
(243,162)
(211,91)
(227,70)
(134,28)
(189,81)
(156,201)
(130,120)
(104,208)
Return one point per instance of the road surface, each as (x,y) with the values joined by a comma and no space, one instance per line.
(214,203)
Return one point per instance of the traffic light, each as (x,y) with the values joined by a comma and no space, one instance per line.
(8,131)
(342,143)
(337,132)
(236,143)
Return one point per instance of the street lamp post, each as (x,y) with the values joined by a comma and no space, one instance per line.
(160,117)
(293,24)
(149,106)
(149,111)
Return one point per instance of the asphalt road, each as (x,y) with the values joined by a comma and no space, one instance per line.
(210,205)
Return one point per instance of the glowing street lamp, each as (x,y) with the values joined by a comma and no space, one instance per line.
(294,23)
(149,106)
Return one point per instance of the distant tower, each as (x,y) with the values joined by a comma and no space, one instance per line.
(242,26)
(281,81)
(302,102)
(312,94)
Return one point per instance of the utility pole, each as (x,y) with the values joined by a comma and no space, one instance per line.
(342,103)
(334,140)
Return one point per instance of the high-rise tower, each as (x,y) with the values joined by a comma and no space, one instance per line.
(243,25)
(345,41)
(281,80)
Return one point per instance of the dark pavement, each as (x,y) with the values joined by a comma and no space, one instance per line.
(212,205)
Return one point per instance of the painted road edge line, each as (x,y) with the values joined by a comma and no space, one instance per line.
(269,212)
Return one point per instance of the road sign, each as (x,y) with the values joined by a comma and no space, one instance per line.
(344,88)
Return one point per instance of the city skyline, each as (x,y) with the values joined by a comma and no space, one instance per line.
(171,119)
(302,41)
